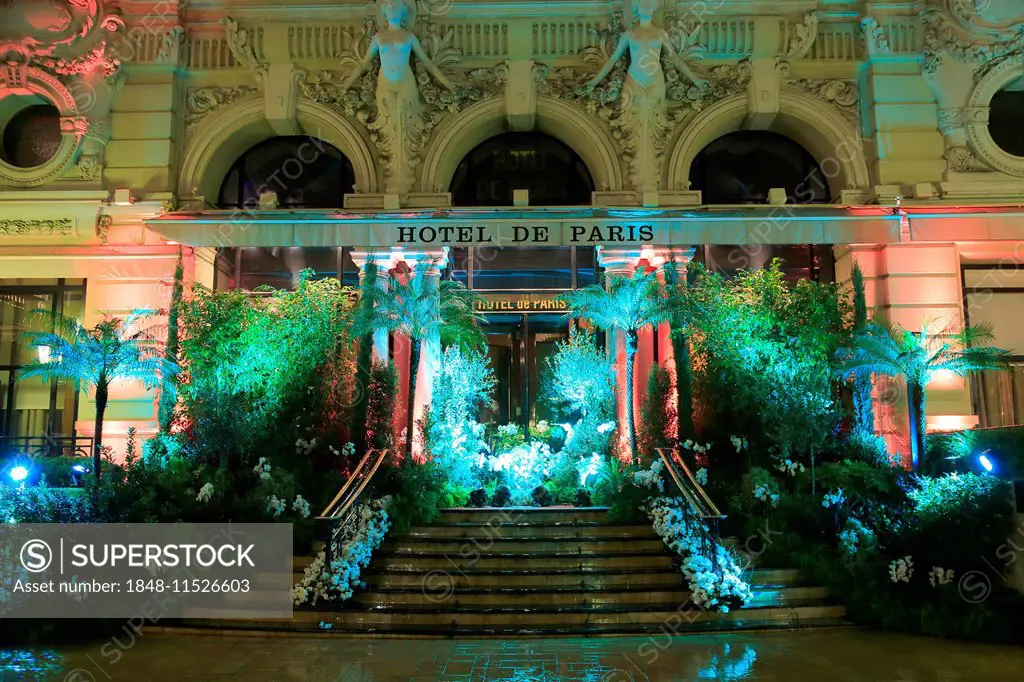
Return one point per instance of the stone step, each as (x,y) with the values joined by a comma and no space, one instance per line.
(517,548)
(503,581)
(493,516)
(611,579)
(551,564)
(446,600)
(585,621)
(526,531)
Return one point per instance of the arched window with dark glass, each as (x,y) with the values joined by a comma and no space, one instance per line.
(741,167)
(304,172)
(553,173)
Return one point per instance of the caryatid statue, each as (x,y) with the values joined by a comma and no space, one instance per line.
(643,119)
(399,122)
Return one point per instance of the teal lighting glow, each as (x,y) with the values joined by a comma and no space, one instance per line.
(985,463)
(18,474)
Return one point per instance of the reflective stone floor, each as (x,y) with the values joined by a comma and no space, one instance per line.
(811,655)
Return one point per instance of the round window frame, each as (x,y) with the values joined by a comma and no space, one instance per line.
(39,84)
(976,118)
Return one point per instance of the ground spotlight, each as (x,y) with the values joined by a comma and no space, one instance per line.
(985,462)
(77,471)
(18,474)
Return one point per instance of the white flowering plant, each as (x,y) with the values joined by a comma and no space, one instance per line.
(262,469)
(714,585)
(650,478)
(353,550)
(205,493)
(940,576)
(901,570)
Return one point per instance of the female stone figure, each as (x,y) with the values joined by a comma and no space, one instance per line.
(643,116)
(399,125)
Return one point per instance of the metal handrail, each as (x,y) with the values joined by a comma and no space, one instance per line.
(697,502)
(337,514)
(47,445)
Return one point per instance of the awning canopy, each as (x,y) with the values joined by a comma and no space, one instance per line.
(532,227)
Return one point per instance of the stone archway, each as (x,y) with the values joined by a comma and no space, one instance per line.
(832,140)
(229,133)
(458,135)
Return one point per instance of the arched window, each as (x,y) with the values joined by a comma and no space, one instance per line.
(741,167)
(553,173)
(305,172)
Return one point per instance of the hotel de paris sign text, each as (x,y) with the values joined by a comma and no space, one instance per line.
(505,234)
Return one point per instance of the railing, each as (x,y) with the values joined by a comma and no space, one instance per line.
(47,446)
(698,507)
(336,516)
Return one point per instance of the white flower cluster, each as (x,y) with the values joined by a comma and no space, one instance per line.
(509,430)
(710,588)
(523,461)
(650,478)
(788,466)
(304,447)
(348,449)
(901,570)
(262,469)
(702,476)
(276,505)
(205,493)
(739,443)
(697,448)
(764,493)
(939,576)
(855,536)
(301,506)
(833,499)
(354,548)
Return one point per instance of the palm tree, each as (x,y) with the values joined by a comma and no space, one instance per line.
(96,358)
(917,358)
(420,306)
(628,304)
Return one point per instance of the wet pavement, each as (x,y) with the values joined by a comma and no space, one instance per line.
(832,655)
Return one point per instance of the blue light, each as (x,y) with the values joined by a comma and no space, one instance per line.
(986,463)
(78,469)
(18,474)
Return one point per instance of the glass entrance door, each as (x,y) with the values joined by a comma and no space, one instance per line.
(517,345)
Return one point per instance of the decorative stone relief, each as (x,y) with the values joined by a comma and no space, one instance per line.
(947,31)
(970,54)
(56,226)
(172,47)
(241,45)
(199,102)
(876,41)
(644,101)
(398,103)
(804,35)
(843,95)
(635,99)
(103,223)
(64,53)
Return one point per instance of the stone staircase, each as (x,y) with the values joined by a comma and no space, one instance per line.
(531,571)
